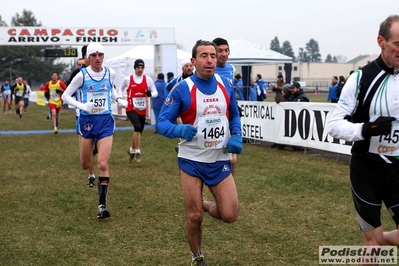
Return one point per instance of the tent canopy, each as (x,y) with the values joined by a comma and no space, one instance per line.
(123,64)
(246,53)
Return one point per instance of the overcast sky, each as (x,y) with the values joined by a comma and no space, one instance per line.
(341,27)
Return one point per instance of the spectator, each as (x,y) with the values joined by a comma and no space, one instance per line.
(277,88)
(316,91)
(187,70)
(260,88)
(332,90)
(341,83)
(297,94)
(158,101)
(286,92)
(237,85)
(252,91)
(169,77)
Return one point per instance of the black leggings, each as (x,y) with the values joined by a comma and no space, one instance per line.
(138,121)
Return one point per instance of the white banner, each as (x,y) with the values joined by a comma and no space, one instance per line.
(292,123)
(81,36)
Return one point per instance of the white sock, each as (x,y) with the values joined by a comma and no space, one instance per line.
(137,151)
(92,176)
(131,150)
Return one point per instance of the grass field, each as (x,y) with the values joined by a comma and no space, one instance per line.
(290,203)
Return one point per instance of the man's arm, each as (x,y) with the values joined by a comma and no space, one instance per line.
(338,126)
(176,103)
(75,84)
(151,88)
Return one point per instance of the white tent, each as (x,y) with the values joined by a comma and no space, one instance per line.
(123,64)
(248,54)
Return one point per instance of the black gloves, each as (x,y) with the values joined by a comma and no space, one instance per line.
(381,126)
(148,93)
(58,90)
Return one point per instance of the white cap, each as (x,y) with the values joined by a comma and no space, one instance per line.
(185,62)
(94,48)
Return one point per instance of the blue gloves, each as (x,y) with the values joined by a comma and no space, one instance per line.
(234,145)
(185,131)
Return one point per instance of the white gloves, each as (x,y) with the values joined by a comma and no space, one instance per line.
(121,102)
(88,107)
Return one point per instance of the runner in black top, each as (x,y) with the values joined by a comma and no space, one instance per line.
(367,113)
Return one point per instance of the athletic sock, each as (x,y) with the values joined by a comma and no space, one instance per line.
(102,190)
(131,150)
(92,176)
(137,151)
(194,255)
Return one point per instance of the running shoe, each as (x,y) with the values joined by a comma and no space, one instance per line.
(137,158)
(55,130)
(103,212)
(198,261)
(131,155)
(91,181)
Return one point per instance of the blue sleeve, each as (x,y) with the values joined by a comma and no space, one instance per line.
(329,94)
(235,120)
(170,85)
(177,102)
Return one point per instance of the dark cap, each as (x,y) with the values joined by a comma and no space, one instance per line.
(169,75)
(161,76)
(238,76)
(138,62)
(280,76)
(220,41)
(295,85)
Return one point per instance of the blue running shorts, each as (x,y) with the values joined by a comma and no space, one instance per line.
(211,173)
(96,126)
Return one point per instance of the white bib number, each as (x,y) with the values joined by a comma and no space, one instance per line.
(100,101)
(387,145)
(54,96)
(19,93)
(212,132)
(139,103)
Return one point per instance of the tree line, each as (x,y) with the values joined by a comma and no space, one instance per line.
(311,52)
(28,62)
